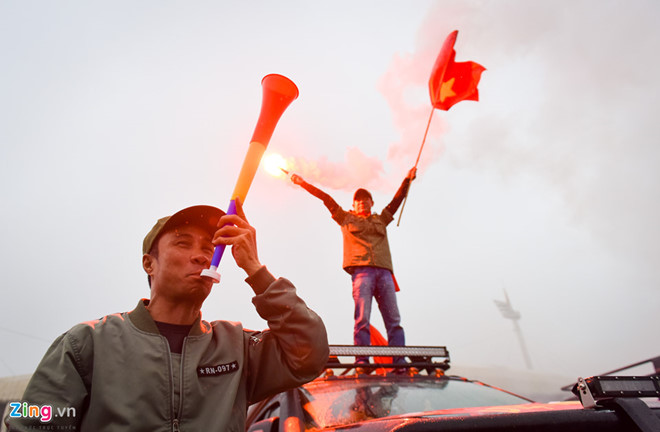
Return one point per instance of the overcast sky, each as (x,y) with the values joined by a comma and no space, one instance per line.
(113,114)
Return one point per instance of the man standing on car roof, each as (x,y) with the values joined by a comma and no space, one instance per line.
(367,258)
(161,367)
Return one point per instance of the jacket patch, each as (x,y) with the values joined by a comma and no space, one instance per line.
(221,369)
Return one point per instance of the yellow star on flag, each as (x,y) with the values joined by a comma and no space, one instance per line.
(446,89)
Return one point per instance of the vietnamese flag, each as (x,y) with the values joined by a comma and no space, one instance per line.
(453,82)
(449,84)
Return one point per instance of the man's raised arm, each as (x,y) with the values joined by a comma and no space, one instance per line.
(329,202)
(393,206)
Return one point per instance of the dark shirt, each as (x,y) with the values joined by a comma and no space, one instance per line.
(175,334)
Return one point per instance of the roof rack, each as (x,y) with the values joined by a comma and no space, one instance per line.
(420,357)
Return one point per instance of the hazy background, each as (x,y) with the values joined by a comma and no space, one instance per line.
(113,114)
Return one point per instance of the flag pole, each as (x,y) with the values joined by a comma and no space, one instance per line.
(416,162)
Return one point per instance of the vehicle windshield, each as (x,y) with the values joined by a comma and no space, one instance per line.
(340,402)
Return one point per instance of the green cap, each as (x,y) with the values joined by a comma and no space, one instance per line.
(206,217)
(362,194)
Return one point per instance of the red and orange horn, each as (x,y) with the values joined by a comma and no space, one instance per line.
(278,93)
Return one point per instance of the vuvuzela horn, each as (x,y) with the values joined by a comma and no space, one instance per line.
(278,92)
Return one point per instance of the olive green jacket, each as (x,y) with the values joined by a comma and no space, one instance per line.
(116,372)
(365,238)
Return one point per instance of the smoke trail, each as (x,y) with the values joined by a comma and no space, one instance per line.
(357,170)
(404,86)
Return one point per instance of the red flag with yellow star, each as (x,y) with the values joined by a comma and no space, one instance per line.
(453,82)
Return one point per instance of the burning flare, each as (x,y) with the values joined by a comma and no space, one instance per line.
(275,165)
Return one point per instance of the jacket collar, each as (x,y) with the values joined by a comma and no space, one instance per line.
(141,318)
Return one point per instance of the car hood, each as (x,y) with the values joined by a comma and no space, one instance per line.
(490,410)
(453,414)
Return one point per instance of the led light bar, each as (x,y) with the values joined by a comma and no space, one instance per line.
(597,388)
(618,386)
(388,351)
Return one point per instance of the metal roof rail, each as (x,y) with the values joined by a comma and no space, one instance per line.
(624,371)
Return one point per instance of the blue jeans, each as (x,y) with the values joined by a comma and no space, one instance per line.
(375,282)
